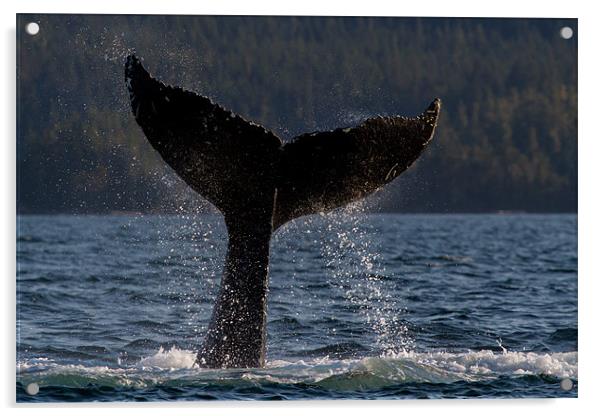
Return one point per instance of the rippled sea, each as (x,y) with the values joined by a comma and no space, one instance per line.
(361,306)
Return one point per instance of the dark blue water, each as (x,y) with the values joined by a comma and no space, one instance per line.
(360,306)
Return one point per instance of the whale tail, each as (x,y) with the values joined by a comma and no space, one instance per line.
(259,183)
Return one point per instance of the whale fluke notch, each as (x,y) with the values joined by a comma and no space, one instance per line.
(260,183)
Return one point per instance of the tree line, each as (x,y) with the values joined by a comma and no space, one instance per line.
(507,138)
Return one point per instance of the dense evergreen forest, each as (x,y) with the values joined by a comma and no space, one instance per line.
(507,138)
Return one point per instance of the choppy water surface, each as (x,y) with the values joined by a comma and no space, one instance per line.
(360,306)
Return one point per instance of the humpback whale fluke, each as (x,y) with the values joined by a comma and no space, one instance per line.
(259,183)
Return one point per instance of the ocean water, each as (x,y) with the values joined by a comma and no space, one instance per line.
(361,306)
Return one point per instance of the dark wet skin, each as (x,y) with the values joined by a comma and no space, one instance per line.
(259,183)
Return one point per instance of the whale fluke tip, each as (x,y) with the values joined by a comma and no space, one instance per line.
(435,107)
(131,58)
(131,61)
(431,116)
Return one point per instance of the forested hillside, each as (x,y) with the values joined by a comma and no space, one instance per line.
(507,138)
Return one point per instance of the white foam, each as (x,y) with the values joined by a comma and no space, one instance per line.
(562,364)
(178,366)
(439,366)
(172,359)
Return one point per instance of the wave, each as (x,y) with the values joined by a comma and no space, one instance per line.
(176,368)
(340,350)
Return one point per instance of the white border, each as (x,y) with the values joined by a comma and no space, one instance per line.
(590,271)
(460,8)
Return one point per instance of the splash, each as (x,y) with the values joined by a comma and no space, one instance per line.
(173,358)
(192,249)
(348,249)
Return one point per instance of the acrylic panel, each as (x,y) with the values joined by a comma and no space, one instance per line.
(281,207)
